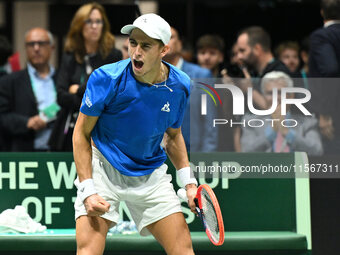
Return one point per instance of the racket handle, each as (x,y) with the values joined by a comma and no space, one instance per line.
(182,194)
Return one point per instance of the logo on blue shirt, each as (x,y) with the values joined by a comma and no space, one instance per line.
(88,101)
(166,107)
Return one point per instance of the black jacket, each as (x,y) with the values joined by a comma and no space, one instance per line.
(71,72)
(324,54)
(324,63)
(17,105)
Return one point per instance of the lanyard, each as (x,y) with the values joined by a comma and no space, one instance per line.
(48,113)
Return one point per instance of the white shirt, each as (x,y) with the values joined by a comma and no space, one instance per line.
(331,22)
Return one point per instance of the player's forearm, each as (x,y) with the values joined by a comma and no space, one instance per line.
(177,151)
(82,153)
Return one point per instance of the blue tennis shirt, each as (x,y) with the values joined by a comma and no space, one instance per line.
(133,116)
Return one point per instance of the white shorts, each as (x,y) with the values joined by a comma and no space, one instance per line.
(149,198)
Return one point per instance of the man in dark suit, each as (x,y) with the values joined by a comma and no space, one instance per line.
(28,97)
(324,68)
(324,62)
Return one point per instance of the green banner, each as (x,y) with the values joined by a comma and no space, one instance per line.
(43,183)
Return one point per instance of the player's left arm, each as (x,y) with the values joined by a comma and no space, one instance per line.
(177,152)
(175,148)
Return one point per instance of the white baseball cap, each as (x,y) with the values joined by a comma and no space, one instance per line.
(152,25)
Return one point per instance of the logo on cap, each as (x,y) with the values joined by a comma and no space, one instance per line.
(152,25)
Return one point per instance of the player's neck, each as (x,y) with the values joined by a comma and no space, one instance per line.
(157,75)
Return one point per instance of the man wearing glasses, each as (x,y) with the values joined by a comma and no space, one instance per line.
(28,97)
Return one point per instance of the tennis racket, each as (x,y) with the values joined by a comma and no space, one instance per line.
(209,211)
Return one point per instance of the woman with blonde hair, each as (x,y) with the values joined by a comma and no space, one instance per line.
(89,45)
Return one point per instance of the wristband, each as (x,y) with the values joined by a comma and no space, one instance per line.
(86,188)
(186,176)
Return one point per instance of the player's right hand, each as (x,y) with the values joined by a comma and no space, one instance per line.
(191,193)
(96,206)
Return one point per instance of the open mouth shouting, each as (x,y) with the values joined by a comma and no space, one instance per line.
(138,65)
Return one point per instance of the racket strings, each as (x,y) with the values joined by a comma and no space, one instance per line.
(210,215)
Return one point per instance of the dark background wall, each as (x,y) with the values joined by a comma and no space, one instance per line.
(283,19)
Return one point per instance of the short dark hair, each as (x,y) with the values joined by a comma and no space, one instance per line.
(287,45)
(257,35)
(210,41)
(331,9)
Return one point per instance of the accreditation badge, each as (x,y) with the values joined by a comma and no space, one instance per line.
(50,112)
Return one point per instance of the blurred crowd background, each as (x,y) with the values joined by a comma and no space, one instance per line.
(49,49)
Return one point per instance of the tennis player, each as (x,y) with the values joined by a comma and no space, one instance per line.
(126,109)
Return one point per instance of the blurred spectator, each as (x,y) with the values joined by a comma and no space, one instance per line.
(125,49)
(254,50)
(235,68)
(5,53)
(89,45)
(288,53)
(28,97)
(253,46)
(210,53)
(324,62)
(273,136)
(204,137)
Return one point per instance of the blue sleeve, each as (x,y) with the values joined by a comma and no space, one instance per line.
(184,99)
(181,112)
(97,93)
